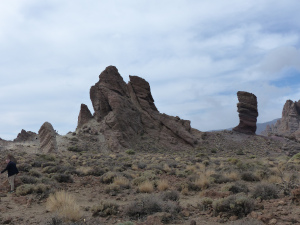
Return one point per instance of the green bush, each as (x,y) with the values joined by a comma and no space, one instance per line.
(105,209)
(234,205)
(63,178)
(249,176)
(265,191)
(28,179)
(130,152)
(238,187)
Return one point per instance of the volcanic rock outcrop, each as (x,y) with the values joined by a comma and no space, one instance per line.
(289,124)
(26,136)
(247,109)
(47,137)
(126,115)
(85,115)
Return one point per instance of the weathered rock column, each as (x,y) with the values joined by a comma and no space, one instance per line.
(47,138)
(247,109)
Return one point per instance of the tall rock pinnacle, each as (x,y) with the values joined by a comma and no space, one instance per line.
(247,109)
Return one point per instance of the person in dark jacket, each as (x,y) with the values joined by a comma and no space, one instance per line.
(12,171)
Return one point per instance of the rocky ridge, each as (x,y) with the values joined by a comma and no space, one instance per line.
(289,124)
(126,115)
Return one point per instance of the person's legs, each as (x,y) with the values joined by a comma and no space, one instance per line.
(11,181)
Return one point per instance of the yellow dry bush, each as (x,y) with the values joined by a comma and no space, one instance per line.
(233,176)
(84,170)
(134,167)
(191,168)
(166,168)
(146,187)
(65,205)
(274,179)
(121,181)
(202,182)
(162,185)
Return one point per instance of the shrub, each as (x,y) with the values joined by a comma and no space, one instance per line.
(170,195)
(122,182)
(219,178)
(105,209)
(48,157)
(28,179)
(162,185)
(139,180)
(146,205)
(63,178)
(146,187)
(96,171)
(108,177)
(25,189)
(142,165)
(127,223)
(265,191)
(35,173)
(249,176)
(74,149)
(130,152)
(205,204)
(234,205)
(25,167)
(65,205)
(238,187)
(149,204)
(112,189)
(50,169)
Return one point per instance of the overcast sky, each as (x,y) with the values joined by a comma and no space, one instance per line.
(195,54)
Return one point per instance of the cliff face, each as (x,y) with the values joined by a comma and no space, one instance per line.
(126,114)
(289,124)
(247,109)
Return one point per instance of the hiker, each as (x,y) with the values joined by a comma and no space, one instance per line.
(12,171)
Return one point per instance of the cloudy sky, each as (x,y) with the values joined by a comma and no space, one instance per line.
(195,54)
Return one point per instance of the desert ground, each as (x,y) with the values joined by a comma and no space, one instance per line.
(232,178)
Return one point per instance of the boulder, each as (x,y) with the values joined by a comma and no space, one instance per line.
(247,109)
(47,137)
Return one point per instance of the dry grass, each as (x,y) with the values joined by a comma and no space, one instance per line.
(162,185)
(202,182)
(121,181)
(166,168)
(84,170)
(233,176)
(146,187)
(191,168)
(65,205)
(274,179)
(134,167)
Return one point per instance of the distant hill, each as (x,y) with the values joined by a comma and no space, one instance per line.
(259,126)
(262,126)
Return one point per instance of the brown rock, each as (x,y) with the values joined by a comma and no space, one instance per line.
(247,108)
(85,115)
(26,136)
(127,116)
(289,124)
(47,137)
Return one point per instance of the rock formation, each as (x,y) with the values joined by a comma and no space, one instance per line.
(85,115)
(26,136)
(126,114)
(47,137)
(289,124)
(247,109)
